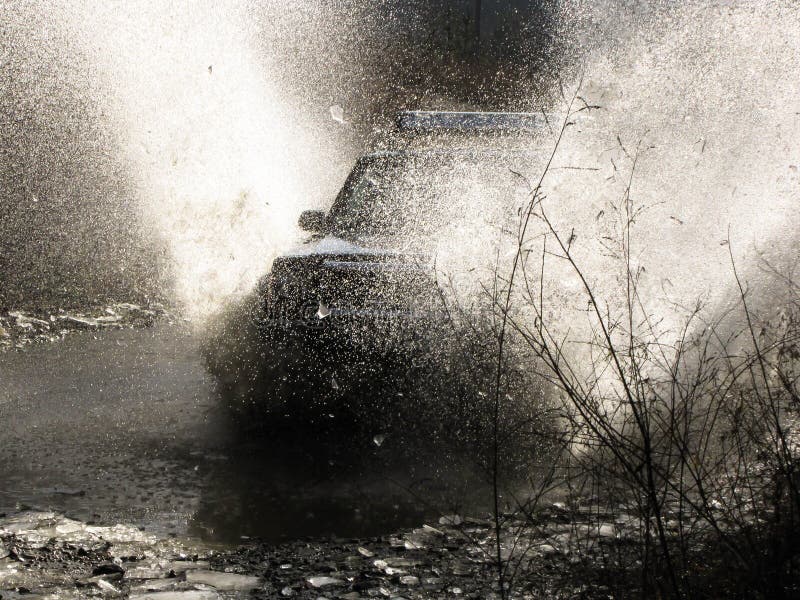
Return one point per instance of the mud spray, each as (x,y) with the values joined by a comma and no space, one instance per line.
(706,92)
(695,108)
(224,160)
(221,149)
(191,130)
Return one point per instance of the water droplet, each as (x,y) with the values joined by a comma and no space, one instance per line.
(337,114)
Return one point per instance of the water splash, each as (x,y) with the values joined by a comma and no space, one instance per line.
(222,148)
(707,94)
(219,152)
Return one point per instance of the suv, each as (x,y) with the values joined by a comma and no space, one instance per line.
(369,261)
(363,285)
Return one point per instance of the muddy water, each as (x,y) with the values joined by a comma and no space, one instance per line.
(126,426)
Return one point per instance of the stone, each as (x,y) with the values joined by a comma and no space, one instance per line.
(144,572)
(181,566)
(548,549)
(320,581)
(107,587)
(156,585)
(223,581)
(606,530)
(181,595)
(112,569)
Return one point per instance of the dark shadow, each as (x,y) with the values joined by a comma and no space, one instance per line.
(331,439)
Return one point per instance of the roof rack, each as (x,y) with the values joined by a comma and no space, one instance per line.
(421,121)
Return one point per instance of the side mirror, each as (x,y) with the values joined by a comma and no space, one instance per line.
(312,220)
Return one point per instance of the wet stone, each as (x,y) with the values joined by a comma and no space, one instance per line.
(157,585)
(322,581)
(106,586)
(180,595)
(181,566)
(19,329)
(223,581)
(50,554)
(109,569)
(144,572)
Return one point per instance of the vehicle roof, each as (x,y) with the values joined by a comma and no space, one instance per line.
(426,121)
(445,152)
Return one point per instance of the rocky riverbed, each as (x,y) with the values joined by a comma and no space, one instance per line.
(119,423)
(47,555)
(20,328)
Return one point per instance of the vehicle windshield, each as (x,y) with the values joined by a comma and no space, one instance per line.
(414,194)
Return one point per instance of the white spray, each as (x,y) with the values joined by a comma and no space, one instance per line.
(224,161)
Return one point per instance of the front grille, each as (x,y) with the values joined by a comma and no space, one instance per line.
(363,290)
(375,283)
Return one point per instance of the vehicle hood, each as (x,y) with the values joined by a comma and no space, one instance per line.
(331,245)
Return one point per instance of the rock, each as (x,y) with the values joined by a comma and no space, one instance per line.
(69,492)
(453,520)
(462,568)
(107,587)
(82,322)
(156,585)
(433,530)
(145,573)
(409,580)
(182,595)
(606,530)
(109,569)
(320,581)
(627,520)
(181,566)
(400,561)
(23,321)
(223,581)
(364,552)
(548,549)
(380,564)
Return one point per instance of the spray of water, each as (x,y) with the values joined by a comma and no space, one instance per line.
(697,111)
(223,149)
(222,161)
